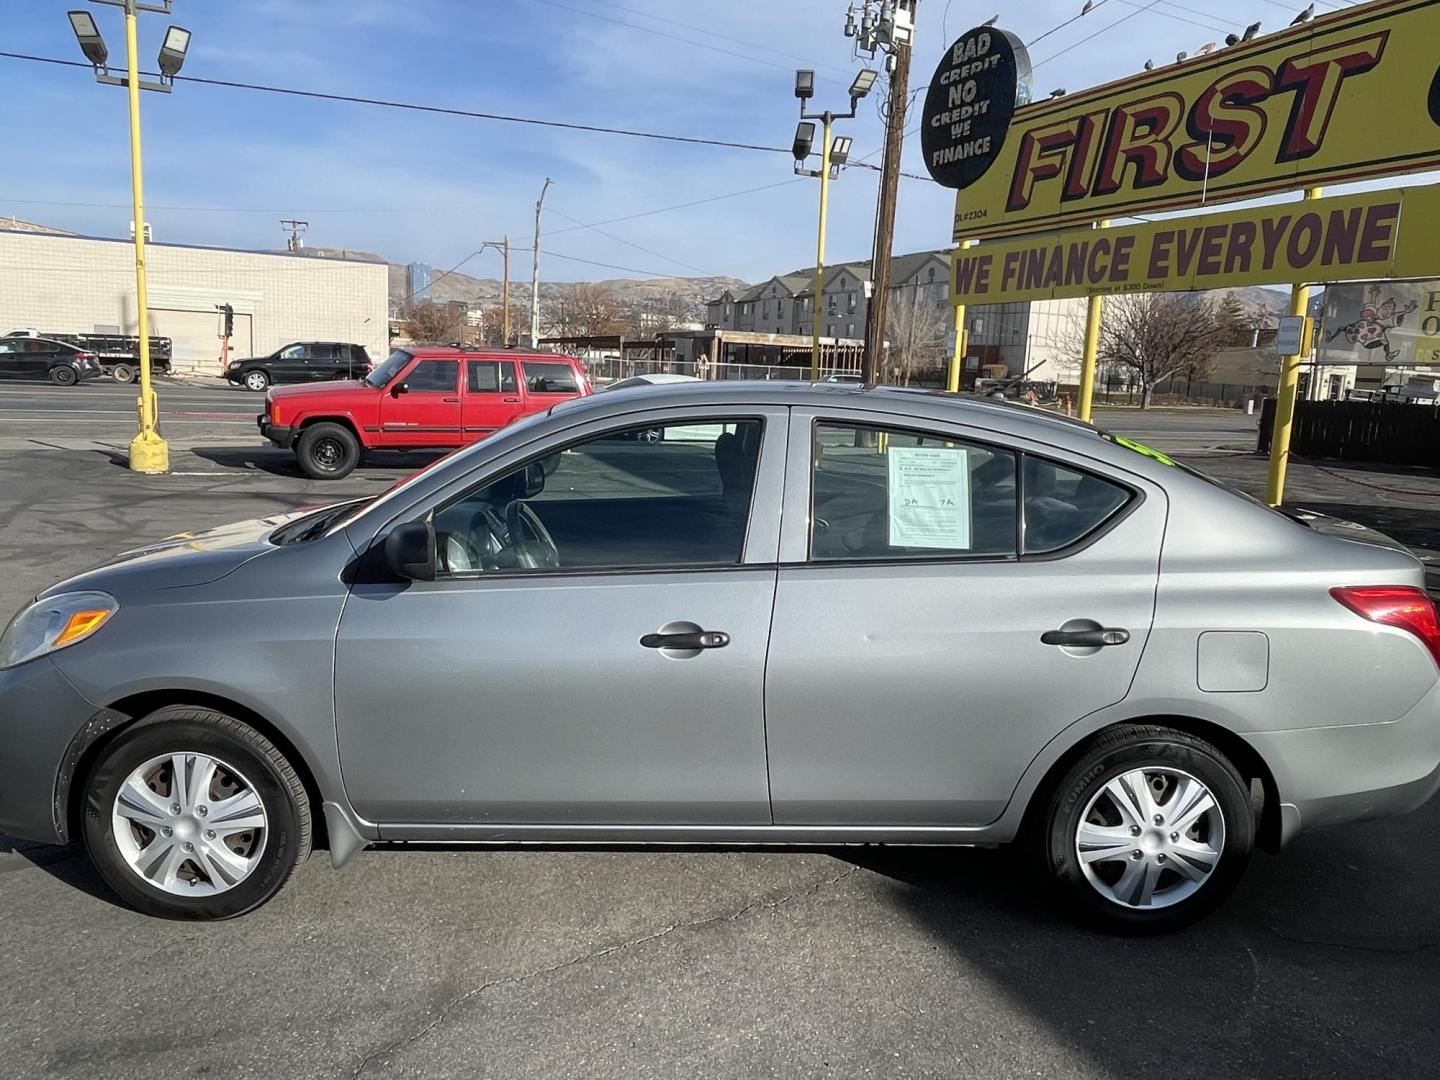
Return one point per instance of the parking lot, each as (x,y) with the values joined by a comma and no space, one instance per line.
(583,962)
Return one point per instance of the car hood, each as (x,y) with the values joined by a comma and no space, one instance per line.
(328,387)
(181,560)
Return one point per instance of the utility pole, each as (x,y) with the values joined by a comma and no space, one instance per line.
(535,271)
(892,29)
(503,246)
(297,231)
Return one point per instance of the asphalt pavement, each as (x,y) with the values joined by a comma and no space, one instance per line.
(841,962)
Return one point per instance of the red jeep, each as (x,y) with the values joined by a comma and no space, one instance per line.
(424,397)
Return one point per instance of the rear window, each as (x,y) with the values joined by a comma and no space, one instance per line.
(491,377)
(548,378)
(1064,505)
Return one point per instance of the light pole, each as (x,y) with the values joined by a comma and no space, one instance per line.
(503,246)
(535,272)
(148,451)
(833,154)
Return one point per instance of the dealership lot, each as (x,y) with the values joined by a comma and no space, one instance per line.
(836,962)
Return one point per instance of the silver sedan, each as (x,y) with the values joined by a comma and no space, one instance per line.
(803,615)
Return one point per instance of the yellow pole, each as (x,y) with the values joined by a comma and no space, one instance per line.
(957,361)
(148,451)
(1285,397)
(1093,311)
(820,251)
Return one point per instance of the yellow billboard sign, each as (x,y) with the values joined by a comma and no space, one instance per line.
(1346,238)
(1348,96)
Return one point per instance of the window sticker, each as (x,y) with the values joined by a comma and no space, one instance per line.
(929,497)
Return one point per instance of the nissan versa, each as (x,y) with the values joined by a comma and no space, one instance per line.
(798,615)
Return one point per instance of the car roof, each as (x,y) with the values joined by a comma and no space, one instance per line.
(484,354)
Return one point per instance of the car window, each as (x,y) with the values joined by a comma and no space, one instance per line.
(292,352)
(433,377)
(491,377)
(640,498)
(323,352)
(7,347)
(889,494)
(1064,505)
(34,346)
(547,378)
(393,364)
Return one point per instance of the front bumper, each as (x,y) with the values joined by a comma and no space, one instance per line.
(1334,775)
(41,715)
(281,436)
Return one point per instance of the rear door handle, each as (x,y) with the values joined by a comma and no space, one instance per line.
(1086,639)
(510,400)
(451,400)
(699,639)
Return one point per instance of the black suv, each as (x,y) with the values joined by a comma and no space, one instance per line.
(41,358)
(301,361)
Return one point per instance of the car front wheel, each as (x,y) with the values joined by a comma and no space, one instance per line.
(191,814)
(327,451)
(256,380)
(1149,831)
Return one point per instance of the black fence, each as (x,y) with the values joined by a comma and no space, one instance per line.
(1387,432)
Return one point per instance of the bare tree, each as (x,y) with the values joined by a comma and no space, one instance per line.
(1156,336)
(917,333)
(426,320)
(589,310)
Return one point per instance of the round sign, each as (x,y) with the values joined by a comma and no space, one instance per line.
(982,79)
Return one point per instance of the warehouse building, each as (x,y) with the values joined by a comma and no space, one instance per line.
(57,282)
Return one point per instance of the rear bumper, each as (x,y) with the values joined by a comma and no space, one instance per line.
(41,714)
(281,436)
(1329,776)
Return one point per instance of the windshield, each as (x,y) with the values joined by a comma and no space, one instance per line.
(393,365)
(313,526)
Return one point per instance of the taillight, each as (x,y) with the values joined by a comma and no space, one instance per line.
(1402,606)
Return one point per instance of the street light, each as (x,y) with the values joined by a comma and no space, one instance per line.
(172,51)
(149,453)
(88,34)
(833,154)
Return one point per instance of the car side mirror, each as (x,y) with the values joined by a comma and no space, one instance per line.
(534,480)
(410,551)
(399,388)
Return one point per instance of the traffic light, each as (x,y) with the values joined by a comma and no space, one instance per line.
(229,313)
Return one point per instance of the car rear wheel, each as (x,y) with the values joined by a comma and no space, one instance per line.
(191,814)
(327,451)
(256,380)
(123,373)
(1149,831)
(64,375)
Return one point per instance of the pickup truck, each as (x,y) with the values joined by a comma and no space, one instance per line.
(421,398)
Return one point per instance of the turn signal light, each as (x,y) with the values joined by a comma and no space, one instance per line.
(81,624)
(1403,606)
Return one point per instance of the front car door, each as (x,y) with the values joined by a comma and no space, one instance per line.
(908,683)
(492,397)
(549,675)
(9,356)
(421,406)
(288,365)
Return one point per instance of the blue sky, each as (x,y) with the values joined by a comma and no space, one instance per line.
(431,188)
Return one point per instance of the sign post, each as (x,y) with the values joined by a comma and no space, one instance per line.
(1285,400)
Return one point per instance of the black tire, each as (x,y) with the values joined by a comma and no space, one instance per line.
(182,729)
(327,451)
(124,373)
(64,375)
(256,380)
(1123,750)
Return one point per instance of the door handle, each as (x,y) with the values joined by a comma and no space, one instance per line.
(510,400)
(1086,639)
(699,639)
(451,400)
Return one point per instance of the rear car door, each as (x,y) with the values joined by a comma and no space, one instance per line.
(422,406)
(322,361)
(568,690)
(924,569)
(492,397)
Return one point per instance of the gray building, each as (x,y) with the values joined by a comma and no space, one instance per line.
(417,281)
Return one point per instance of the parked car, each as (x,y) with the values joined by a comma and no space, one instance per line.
(25,357)
(300,361)
(119,354)
(421,398)
(657,378)
(845,380)
(846,617)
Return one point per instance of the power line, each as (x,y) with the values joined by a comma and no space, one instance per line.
(1208,26)
(436,109)
(607,266)
(1103,30)
(629,243)
(440,277)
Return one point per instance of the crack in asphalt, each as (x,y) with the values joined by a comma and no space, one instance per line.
(1349,946)
(595,954)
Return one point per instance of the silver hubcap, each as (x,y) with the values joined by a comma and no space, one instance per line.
(255,381)
(1150,838)
(189,824)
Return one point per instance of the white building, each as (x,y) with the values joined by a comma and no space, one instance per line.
(62,283)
